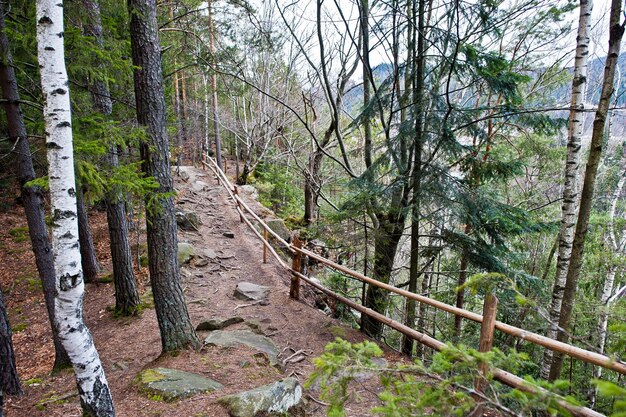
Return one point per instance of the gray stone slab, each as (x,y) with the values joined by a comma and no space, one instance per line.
(171,384)
(276,398)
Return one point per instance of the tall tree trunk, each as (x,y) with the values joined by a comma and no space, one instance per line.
(312,186)
(176,329)
(388,235)
(32,197)
(418,106)
(9,380)
(570,187)
(95,396)
(595,151)
(216,115)
(88,259)
(126,293)
(367,126)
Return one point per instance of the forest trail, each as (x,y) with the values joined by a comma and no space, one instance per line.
(129,345)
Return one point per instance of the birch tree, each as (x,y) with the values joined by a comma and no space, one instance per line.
(32,196)
(586,196)
(95,396)
(570,187)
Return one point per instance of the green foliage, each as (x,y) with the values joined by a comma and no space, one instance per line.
(443,388)
(614,392)
(277,189)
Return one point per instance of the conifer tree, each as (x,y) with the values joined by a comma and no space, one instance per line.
(176,329)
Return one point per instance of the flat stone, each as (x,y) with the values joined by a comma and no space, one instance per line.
(218,323)
(244,337)
(186,251)
(276,398)
(172,384)
(251,292)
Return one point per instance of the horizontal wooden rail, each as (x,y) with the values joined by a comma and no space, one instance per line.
(576,352)
(505,377)
(573,351)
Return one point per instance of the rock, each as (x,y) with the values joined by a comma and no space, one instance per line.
(218,323)
(244,337)
(200,262)
(172,384)
(228,234)
(186,251)
(120,365)
(199,186)
(277,398)
(187,220)
(251,292)
(183,174)
(250,190)
(278,227)
(209,253)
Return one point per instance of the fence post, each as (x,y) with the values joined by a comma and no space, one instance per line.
(490,308)
(294,290)
(236,192)
(264,245)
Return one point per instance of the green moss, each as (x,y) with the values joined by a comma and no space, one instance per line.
(149,375)
(106,279)
(20,327)
(32,381)
(34,284)
(337,331)
(18,231)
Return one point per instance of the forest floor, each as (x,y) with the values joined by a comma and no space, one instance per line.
(129,345)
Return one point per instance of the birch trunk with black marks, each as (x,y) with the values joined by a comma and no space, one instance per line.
(9,380)
(570,187)
(32,197)
(616,32)
(95,396)
(175,326)
(126,293)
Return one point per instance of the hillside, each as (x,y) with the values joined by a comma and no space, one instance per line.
(129,346)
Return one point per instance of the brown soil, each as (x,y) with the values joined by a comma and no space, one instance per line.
(128,345)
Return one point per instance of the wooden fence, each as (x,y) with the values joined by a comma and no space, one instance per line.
(488,319)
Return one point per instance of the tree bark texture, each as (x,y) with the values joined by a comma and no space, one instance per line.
(32,197)
(88,259)
(9,380)
(616,31)
(388,235)
(126,293)
(95,396)
(176,329)
(570,187)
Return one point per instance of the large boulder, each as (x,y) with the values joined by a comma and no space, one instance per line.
(171,384)
(186,251)
(276,398)
(188,221)
(244,337)
(251,292)
(278,227)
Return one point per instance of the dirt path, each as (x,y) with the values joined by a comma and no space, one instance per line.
(129,345)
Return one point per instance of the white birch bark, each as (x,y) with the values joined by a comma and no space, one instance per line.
(74,335)
(570,187)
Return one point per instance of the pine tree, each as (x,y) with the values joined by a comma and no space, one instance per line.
(176,329)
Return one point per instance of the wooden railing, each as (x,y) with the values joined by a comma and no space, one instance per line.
(488,321)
